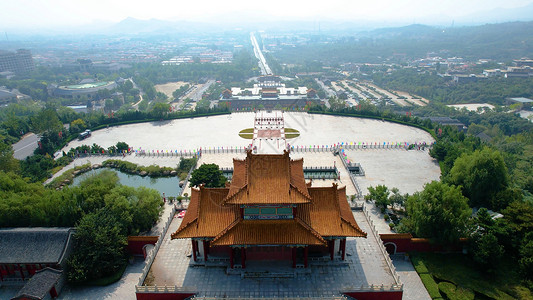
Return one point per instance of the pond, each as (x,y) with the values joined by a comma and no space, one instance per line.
(167,185)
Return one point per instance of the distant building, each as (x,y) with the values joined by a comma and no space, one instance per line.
(7,97)
(88,89)
(524,102)
(523,62)
(526,71)
(492,73)
(268,93)
(7,74)
(467,78)
(447,121)
(18,62)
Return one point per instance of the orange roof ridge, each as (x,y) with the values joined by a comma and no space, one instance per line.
(230,226)
(346,212)
(314,232)
(192,214)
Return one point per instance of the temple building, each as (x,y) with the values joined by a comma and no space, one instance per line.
(268,212)
(268,93)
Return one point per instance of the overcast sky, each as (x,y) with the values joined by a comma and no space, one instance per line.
(49,13)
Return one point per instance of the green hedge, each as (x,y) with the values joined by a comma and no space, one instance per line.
(132,168)
(419,265)
(453,292)
(431,286)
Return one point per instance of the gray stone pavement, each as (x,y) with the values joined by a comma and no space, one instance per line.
(413,288)
(364,265)
(408,170)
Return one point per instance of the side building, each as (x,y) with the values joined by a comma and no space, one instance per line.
(18,62)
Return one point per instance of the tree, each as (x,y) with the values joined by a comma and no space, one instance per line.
(160,109)
(439,212)
(482,174)
(526,254)
(208,175)
(380,194)
(396,198)
(7,162)
(46,120)
(100,242)
(122,146)
(486,250)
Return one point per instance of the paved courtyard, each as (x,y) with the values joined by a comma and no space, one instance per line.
(364,265)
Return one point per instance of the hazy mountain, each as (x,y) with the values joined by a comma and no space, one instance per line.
(499,15)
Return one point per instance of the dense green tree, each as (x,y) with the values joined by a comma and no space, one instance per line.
(396,198)
(208,175)
(439,212)
(7,162)
(46,120)
(380,195)
(482,174)
(122,146)
(486,250)
(526,256)
(160,110)
(100,242)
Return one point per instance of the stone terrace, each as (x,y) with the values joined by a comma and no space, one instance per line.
(365,265)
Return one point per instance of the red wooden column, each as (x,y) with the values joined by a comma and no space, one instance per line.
(21,272)
(343,248)
(243,257)
(331,245)
(231,258)
(306,252)
(205,244)
(293,249)
(194,246)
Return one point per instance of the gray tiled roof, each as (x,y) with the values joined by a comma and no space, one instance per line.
(39,285)
(34,245)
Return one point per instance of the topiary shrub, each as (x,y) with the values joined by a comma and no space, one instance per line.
(431,286)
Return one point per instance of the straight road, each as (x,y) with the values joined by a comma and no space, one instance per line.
(25,146)
(265,69)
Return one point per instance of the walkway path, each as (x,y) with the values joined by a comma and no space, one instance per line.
(413,288)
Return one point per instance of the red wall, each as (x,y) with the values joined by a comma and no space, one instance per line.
(163,296)
(268,253)
(136,243)
(406,243)
(396,295)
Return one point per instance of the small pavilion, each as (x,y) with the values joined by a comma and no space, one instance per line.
(268,212)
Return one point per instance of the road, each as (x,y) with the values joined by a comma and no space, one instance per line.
(195,94)
(265,69)
(25,146)
(329,92)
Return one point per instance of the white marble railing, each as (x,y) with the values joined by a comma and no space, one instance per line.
(382,248)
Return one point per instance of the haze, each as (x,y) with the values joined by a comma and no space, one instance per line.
(30,14)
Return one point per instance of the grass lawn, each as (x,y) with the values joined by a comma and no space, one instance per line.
(460,271)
